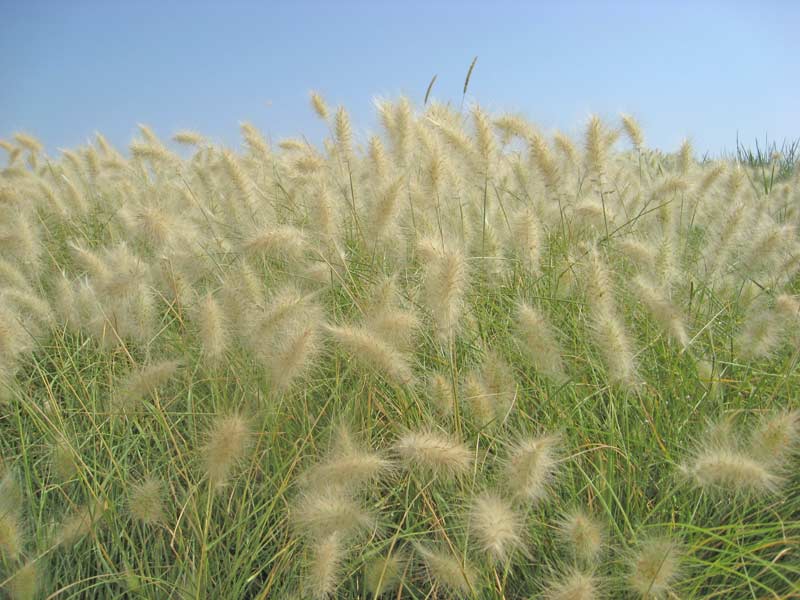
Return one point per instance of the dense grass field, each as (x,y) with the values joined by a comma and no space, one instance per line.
(458,359)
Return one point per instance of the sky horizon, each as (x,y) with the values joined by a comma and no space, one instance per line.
(707,70)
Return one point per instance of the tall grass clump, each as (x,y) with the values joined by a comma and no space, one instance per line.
(460,358)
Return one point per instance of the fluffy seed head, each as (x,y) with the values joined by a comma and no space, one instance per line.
(212,329)
(595,146)
(292,354)
(530,466)
(484,137)
(25,582)
(292,145)
(374,353)
(711,176)
(10,493)
(434,454)
(400,130)
(12,277)
(591,213)
(395,326)
(788,306)
(445,285)
(565,146)
(526,239)
(324,218)
(776,438)
(36,313)
(584,535)
(384,212)
(308,162)
(633,131)
(760,335)
(605,324)
(281,242)
(63,460)
(14,340)
(685,156)
(639,252)
(139,384)
(728,469)
(89,262)
(709,376)
(343,132)
(383,574)
(496,525)
(573,585)
(156,154)
(188,138)
(156,226)
(19,236)
(544,161)
(148,133)
(80,523)
(499,383)
(320,512)
(145,501)
(539,341)
(478,400)
(287,307)
(457,141)
(440,392)
(11,535)
(665,313)
(348,466)
(615,348)
(319,106)
(377,156)
(242,184)
(599,290)
(30,143)
(510,126)
(325,568)
(446,570)
(654,567)
(11,538)
(227,443)
(256,143)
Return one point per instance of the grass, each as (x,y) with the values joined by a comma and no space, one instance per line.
(772,163)
(425,245)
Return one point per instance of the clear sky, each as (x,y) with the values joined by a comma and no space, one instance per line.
(705,70)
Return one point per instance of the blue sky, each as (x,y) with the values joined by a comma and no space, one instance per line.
(705,70)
